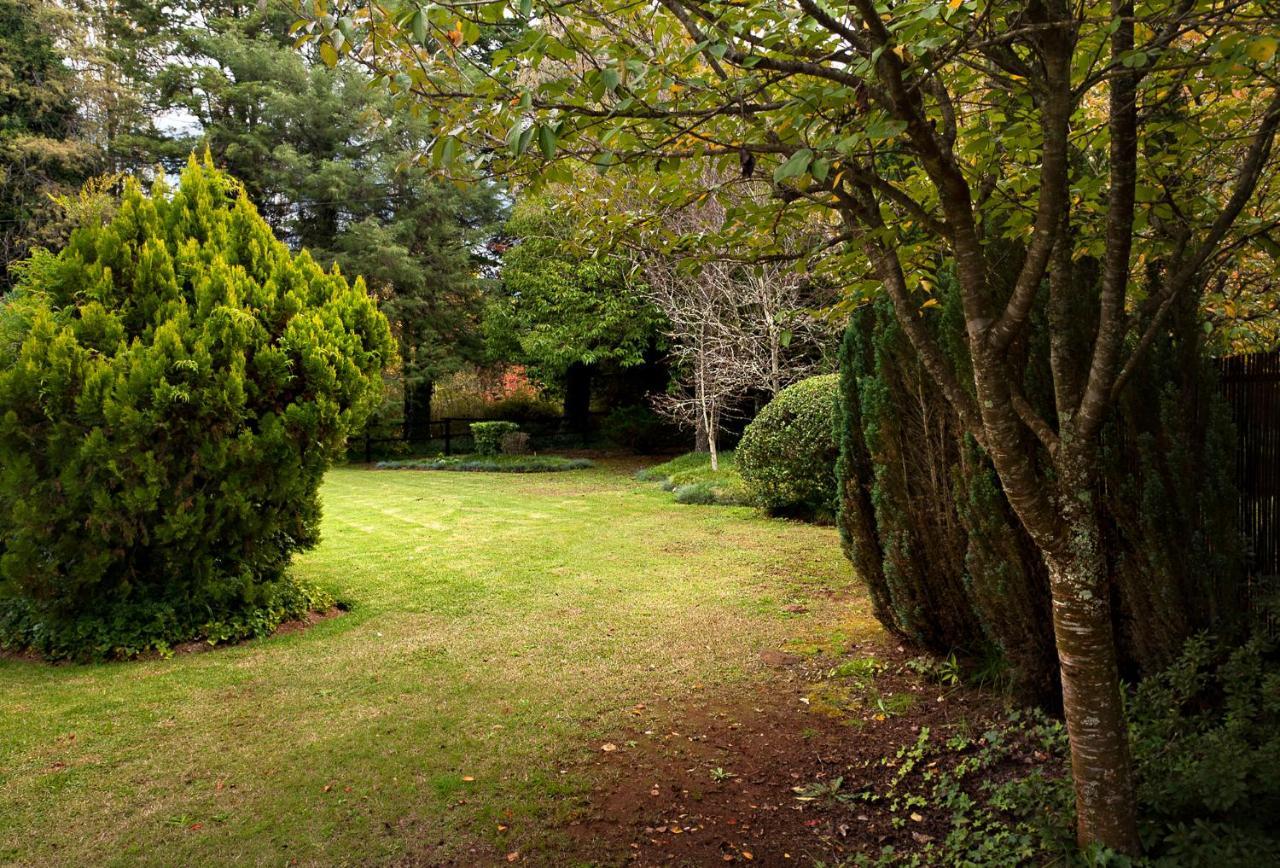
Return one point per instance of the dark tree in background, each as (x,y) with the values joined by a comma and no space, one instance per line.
(41,150)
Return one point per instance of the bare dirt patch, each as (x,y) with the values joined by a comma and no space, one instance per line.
(701,783)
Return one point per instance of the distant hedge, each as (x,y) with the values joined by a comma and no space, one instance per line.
(787,455)
(173,385)
(488,436)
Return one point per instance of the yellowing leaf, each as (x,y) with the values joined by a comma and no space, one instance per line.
(1262,50)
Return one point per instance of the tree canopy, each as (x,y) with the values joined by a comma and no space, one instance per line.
(562,305)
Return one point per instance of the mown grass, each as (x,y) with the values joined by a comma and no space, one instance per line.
(501,625)
(692,481)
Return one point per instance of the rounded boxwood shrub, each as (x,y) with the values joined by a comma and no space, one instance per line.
(173,386)
(787,455)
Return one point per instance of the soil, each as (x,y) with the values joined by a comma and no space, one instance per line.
(714,782)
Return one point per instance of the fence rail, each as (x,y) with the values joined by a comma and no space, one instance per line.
(454,432)
(1251,384)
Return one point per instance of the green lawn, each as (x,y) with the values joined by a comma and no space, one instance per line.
(501,626)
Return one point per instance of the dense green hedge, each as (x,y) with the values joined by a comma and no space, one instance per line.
(787,455)
(488,436)
(173,386)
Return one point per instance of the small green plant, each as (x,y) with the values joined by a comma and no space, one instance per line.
(944,671)
(692,480)
(488,436)
(720,775)
(824,792)
(861,669)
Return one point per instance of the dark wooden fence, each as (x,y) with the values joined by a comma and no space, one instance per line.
(453,434)
(1252,386)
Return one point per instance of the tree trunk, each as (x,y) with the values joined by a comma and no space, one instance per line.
(713,432)
(417,410)
(701,438)
(1091,697)
(577,397)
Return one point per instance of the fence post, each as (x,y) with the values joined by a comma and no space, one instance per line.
(448,447)
(368,448)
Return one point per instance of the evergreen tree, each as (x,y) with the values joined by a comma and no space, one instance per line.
(330,166)
(40,154)
(173,386)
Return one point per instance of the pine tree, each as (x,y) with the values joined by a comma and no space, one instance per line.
(40,154)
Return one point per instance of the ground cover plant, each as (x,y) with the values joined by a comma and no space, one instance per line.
(691,479)
(492,646)
(491,463)
(174,384)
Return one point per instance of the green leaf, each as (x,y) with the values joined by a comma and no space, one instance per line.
(797,165)
(547,141)
(420,26)
(328,54)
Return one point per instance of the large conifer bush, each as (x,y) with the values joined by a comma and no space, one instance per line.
(173,385)
(926,524)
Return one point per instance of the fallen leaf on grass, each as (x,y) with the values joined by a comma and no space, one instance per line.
(916,817)
(467,779)
(608,747)
(513,856)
